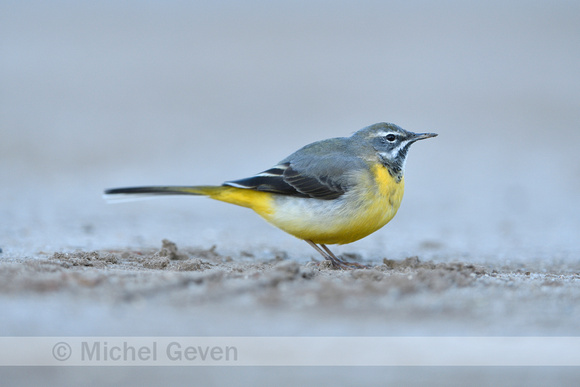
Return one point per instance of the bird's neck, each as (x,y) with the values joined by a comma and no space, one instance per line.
(395,167)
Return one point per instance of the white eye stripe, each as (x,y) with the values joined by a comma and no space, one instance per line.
(385,134)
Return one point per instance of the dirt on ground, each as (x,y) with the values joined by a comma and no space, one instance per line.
(202,276)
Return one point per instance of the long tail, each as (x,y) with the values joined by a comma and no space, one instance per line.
(258,201)
(117,195)
(161,190)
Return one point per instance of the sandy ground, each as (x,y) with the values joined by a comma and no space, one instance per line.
(99,96)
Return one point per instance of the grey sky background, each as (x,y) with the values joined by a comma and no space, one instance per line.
(98,95)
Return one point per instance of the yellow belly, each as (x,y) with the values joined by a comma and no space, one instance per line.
(361,211)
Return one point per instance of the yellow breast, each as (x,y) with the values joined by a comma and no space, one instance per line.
(361,211)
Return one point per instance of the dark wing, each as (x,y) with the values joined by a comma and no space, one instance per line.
(285,179)
(321,170)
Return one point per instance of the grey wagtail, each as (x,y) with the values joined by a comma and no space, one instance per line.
(333,191)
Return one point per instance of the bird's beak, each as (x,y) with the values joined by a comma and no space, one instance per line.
(422,136)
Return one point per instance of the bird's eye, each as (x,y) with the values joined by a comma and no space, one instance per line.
(391,137)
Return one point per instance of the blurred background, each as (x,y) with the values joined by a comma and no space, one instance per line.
(95,95)
(99,95)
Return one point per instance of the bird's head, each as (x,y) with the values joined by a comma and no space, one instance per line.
(391,144)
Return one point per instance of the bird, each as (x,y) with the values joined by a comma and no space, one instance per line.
(333,191)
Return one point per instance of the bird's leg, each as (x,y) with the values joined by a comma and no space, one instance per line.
(349,264)
(322,252)
(329,256)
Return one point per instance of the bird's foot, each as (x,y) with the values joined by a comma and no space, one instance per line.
(338,263)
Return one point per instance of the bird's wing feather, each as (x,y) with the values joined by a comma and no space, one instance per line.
(271,180)
(306,174)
